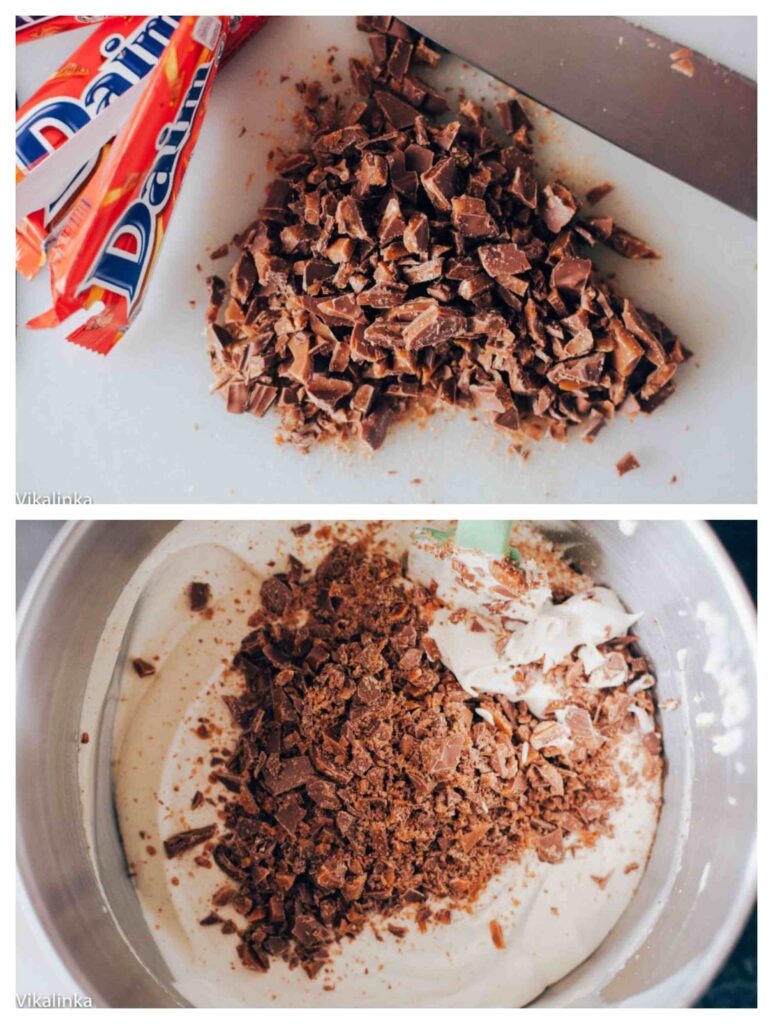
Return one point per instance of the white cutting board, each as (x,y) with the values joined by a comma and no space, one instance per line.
(140,426)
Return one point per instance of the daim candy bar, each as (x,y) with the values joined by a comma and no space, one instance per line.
(36,26)
(240,29)
(119,53)
(111,239)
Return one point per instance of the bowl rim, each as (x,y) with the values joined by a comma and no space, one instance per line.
(717,953)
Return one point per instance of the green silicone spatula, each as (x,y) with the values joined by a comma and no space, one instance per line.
(491,536)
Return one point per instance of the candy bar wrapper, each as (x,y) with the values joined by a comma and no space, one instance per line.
(240,29)
(111,240)
(119,53)
(37,26)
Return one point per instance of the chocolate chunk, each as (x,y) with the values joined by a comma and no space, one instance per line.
(503,259)
(199,595)
(637,325)
(395,110)
(524,186)
(292,773)
(571,274)
(416,234)
(626,464)
(472,218)
(275,595)
(426,54)
(557,207)
(440,183)
(434,326)
(349,219)
(418,158)
(400,59)
(511,115)
(374,426)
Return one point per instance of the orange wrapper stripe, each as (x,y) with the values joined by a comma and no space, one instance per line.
(111,240)
(37,26)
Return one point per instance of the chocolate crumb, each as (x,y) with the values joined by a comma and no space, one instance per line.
(497,935)
(598,192)
(84,737)
(143,668)
(626,464)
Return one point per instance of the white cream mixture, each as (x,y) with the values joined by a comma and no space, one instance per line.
(552,916)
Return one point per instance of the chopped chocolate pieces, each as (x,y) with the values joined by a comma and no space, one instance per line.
(400,262)
(143,668)
(199,595)
(626,464)
(362,785)
(184,841)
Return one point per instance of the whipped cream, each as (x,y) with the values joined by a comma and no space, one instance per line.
(498,619)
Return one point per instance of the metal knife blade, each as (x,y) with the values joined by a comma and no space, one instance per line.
(615,79)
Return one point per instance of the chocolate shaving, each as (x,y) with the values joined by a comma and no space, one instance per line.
(184,841)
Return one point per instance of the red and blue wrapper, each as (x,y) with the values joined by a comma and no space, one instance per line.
(108,245)
(119,53)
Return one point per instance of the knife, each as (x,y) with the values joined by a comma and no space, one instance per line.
(615,79)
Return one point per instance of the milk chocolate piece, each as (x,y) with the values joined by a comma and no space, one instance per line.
(571,274)
(506,258)
(472,218)
(557,206)
(511,115)
(440,183)
(433,327)
(396,111)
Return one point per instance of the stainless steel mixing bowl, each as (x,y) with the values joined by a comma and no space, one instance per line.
(700,882)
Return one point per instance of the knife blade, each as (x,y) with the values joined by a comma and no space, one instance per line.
(615,79)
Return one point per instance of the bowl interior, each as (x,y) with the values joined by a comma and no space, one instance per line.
(696,891)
